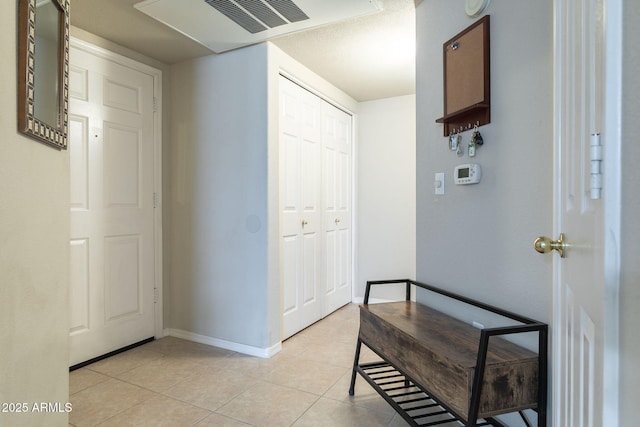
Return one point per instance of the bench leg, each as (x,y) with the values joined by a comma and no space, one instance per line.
(356,361)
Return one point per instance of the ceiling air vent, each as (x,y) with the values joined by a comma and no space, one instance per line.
(256,15)
(222,25)
(289,10)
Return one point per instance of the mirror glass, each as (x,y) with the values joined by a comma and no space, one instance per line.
(46,98)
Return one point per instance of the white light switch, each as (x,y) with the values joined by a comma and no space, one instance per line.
(438,183)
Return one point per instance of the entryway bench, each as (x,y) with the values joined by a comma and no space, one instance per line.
(439,370)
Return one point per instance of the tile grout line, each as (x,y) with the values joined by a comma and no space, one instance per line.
(184,354)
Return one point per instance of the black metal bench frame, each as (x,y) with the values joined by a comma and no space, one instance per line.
(395,386)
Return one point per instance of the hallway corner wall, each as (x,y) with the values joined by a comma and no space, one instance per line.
(218,197)
(630,221)
(386,205)
(476,240)
(34,258)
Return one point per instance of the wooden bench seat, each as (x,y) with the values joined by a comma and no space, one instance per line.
(440,353)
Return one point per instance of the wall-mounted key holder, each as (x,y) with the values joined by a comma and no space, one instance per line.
(467,82)
(476,141)
(455,139)
(475,136)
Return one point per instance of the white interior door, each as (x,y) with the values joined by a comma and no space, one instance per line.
(336,171)
(300,209)
(315,207)
(112,206)
(585,289)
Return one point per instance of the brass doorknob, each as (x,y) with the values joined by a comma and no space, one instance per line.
(545,245)
(304,223)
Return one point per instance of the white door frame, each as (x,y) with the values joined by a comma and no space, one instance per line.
(611,198)
(612,190)
(157,162)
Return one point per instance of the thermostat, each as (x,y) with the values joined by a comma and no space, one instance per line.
(469,173)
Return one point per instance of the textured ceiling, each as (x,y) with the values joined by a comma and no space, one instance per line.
(369,58)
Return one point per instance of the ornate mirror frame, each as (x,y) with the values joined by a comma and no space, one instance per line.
(55,134)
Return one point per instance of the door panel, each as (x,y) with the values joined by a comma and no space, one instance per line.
(290,270)
(79,282)
(300,138)
(122,173)
(309,269)
(337,147)
(581,296)
(112,213)
(79,162)
(123,287)
(121,96)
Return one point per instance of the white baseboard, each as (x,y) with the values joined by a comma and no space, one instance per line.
(264,353)
(360,300)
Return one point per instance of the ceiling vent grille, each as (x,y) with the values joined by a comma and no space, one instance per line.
(224,25)
(257,15)
(289,10)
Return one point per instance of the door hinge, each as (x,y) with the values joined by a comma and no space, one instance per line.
(155,295)
(596,166)
(155,200)
(155,104)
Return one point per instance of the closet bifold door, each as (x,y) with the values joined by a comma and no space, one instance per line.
(315,146)
(300,138)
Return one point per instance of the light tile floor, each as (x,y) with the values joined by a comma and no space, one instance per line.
(173,382)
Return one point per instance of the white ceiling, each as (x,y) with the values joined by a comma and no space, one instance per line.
(223,25)
(370,57)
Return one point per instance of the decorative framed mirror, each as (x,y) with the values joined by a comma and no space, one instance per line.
(43,70)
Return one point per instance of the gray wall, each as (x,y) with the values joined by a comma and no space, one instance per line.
(386,204)
(218,197)
(510,207)
(34,257)
(223,251)
(477,239)
(630,221)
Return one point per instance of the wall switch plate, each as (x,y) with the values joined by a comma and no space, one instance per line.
(438,183)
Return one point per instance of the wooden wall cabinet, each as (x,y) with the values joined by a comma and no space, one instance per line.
(467,82)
